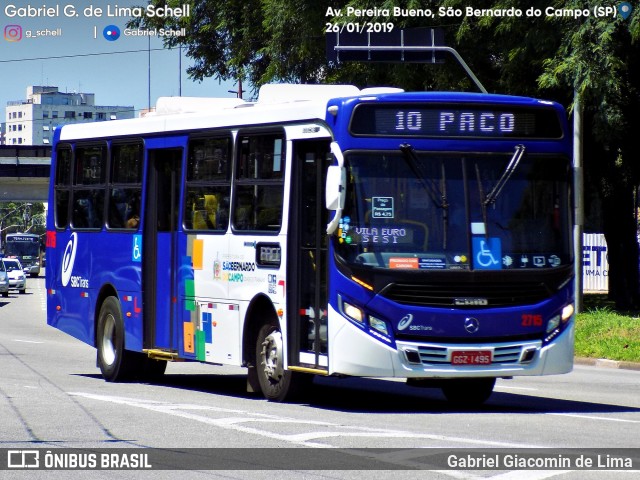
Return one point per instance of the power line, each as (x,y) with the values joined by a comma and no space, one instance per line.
(58,57)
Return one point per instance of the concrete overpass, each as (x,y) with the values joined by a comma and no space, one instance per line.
(24,173)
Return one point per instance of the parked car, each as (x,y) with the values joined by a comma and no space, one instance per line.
(17,278)
(4,281)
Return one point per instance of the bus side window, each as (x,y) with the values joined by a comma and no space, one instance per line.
(89,185)
(62,185)
(208,184)
(125,186)
(260,183)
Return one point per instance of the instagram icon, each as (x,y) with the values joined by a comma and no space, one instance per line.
(13,33)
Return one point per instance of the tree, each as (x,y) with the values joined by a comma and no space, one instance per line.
(21,217)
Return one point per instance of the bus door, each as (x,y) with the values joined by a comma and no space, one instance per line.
(307,256)
(160,258)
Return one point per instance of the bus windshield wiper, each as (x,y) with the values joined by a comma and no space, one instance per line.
(492,196)
(438,197)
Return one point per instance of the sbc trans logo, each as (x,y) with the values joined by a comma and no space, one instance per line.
(405,321)
(13,33)
(69,259)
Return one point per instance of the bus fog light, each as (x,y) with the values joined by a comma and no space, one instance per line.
(379,325)
(553,323)
(353,312)
(412,356)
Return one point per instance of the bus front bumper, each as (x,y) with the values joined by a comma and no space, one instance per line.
(354,352)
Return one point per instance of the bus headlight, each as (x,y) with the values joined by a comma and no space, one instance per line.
(353,312)
(564,317)
(567,312)
(553,323)
(379,325)
(557,323)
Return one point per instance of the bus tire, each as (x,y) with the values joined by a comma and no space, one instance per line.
(468,391)
(116,363)
(276,383)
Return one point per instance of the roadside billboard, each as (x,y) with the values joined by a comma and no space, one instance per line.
(595,264)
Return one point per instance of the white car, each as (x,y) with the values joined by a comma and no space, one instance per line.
(17,278)
(4,281)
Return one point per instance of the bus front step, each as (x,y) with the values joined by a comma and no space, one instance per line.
(166,355)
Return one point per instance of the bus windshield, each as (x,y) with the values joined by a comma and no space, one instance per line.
(417,210)
(22,247)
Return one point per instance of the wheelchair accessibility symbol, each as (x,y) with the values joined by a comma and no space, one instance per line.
(487,253)
(136,254)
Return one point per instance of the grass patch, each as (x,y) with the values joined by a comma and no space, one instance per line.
(602,332)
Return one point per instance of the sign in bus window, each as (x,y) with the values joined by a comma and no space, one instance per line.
(209,159)
(90,165)
(268,255)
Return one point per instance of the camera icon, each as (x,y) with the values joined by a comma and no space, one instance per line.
(13,33)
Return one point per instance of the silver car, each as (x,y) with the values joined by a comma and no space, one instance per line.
(4,281)
(17,278)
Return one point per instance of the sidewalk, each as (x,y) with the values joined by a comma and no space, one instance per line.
(604,363)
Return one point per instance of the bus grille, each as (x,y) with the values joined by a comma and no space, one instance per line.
(456,295)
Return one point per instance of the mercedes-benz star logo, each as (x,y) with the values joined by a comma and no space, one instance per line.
(471,325)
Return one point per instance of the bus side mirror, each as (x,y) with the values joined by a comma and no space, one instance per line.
(336,187)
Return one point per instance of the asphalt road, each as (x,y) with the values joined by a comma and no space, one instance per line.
(53,397)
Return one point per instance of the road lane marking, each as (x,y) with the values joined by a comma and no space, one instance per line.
(506,387)
(592,417)
(27,341)
(305,439)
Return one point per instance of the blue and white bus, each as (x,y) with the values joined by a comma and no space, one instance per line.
(26,248)
(321,230)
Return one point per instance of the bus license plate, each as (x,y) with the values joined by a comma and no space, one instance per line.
(471,357)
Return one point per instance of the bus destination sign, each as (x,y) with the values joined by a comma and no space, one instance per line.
(21,238)
(455,121)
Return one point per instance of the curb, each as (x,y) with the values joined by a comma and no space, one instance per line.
(604,363)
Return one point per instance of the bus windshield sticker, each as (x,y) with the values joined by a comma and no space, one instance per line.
(403,262)
(487,253)
(382,207)
(343,230)
(432,263)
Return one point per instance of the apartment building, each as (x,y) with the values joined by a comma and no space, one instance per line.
(32,121)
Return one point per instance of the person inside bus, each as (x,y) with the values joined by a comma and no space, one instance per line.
(133,221)
(133,217)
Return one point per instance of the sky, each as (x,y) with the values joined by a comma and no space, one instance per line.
(80,58)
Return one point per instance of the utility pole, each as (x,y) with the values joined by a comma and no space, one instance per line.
(240,90)
(578,193)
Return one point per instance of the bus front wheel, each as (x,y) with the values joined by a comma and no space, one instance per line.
(276,383)
(116,363)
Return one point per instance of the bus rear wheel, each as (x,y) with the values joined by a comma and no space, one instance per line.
(276,383)
(469,391)
(116,363)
